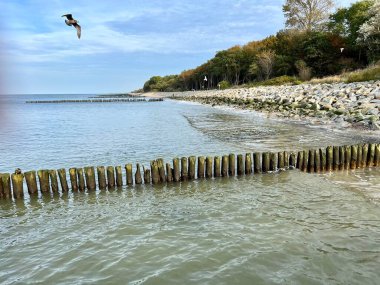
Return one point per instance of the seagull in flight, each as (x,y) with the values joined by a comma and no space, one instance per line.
(71,22)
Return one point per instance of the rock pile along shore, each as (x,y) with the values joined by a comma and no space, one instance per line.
(346,104)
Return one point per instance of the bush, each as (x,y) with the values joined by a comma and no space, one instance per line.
(370,73)
(223,84)
(281,80)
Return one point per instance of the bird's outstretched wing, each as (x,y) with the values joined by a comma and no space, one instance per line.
(79,30)
(68,16)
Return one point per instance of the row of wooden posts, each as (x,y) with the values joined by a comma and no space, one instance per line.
(129,100)
(190,168)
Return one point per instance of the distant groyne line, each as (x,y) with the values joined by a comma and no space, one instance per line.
(130,100)
(332,158)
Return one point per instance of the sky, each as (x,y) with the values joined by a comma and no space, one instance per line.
(123,43)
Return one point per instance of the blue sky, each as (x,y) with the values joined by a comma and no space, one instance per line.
(124,42)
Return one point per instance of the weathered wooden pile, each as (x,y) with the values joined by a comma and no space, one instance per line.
(332,158)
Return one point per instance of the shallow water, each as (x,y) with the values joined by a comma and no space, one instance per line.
(280,228)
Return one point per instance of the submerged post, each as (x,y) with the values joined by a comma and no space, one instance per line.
(43,177)
(146,175)
(169,172)
(184,173)
(240,165)
(359,156)
(300,160)
(292,160)
(311,161)
(342,155)
(266,162)
(336,158)
(31,182)
(119,175)
(128,170)
(377,155)
(18,188)
(138,178)
(101,177)
(2,194)
(347,158)
(53,181)
(225,165)
(273,161)
(155,172)
(176,170)
(89,172)
(281,160)
(248,163)
(322,154)
(329,158)
(371,155)
(364,155)
(208,167)
(74,179)
(257,166)
(317,160)
(6,182)
(81,184)
(354,156)
(231,165)
(161,170)
(201,167)
(63,180)
(192,160)
(111,177)
(217,167)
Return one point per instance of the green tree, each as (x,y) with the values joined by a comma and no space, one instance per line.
(307,14)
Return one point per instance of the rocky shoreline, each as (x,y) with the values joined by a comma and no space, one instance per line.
(342,104)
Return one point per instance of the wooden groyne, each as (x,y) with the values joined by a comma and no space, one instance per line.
(114,100)
(332,158)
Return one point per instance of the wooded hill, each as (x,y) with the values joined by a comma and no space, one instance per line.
(345,40)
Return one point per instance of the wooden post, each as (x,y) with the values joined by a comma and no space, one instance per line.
(377,155)
(336,158)
(184,173)
(300,160)
(18,185)
(225,165)
(138,178)
(74,179)
(257,166)
(266,162)
(169,173)
(6,182)
(317,161)
(240,165)
(305,160)
(192,160)
(208,167)
(364,155)
(342,156)
(231,165)
(311,161)
(217,167)
(354,156)
(155,172)
(53,181)
(281,160)
(347,157)
(273,161)
(119,175)
(292,160)
(286,160)
(111,177)
(102,182)
(43,177)
(371,155)
(146,175)
(31,182)
(81,184)
(248,163)
(89,172)
(329,158)
(323,161)
(176,170)
(128,170)
(359,157)
(161,170)
(201,167)
(63,180)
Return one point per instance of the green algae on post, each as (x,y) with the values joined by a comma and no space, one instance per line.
(201,167)
(17,183)
(102,183)
(31,182)
(73,179)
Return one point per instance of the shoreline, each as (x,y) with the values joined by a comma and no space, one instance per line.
(340,105)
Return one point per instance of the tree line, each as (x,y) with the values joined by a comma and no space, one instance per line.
(314,43)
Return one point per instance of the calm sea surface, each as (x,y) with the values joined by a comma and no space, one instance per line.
(283,228)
